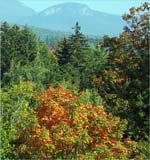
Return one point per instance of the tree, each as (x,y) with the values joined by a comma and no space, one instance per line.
(78,60)
(70,129)
(72,49)
(94,62)
(135,37)
(26,58)
(16,103)
(137,31)
(78,46)
(63,51)
(18,45)
(124,83)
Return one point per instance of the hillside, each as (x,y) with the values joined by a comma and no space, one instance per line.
(63,17)
(14,11)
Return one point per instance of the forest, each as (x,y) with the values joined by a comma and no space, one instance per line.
(76,100)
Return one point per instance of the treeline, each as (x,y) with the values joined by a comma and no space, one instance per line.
(52,98)
(52,37)
(48,36)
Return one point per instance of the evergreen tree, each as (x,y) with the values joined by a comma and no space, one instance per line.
(81,60)
(63,52)
(17,44)
(25,58)
(78,46)
(72,49)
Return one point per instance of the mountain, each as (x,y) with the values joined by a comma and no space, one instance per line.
(14,11)
(64,16)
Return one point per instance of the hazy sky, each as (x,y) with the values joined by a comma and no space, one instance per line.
(110,6)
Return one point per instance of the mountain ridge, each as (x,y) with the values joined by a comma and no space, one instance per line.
(64,16)
(68,7)
(80,5)
(14,11)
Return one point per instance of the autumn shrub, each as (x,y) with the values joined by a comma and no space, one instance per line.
(67,128)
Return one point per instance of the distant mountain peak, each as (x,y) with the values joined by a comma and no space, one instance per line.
(62,17)
(73,8)
(71,5)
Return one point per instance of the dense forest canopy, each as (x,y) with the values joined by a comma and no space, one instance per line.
(76,100)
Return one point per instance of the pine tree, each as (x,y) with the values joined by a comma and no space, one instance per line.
(78,46)
(63,53)
(18,45)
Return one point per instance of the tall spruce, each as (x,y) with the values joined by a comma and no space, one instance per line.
(17,44)
(78,46)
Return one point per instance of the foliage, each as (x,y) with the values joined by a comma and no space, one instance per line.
(70,129)
(17,45)
(69,122)
(137,31)
(92,96)
(142,151)
(121,87)
(135,37)
(42,69)
(15,105)
(124,83)
(78,60)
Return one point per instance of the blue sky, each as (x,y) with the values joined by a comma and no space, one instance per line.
(118,7)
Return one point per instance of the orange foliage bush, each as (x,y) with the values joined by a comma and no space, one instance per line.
(67,128)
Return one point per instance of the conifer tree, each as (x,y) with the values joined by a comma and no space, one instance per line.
(17,44)
(78,46)
(63,53)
